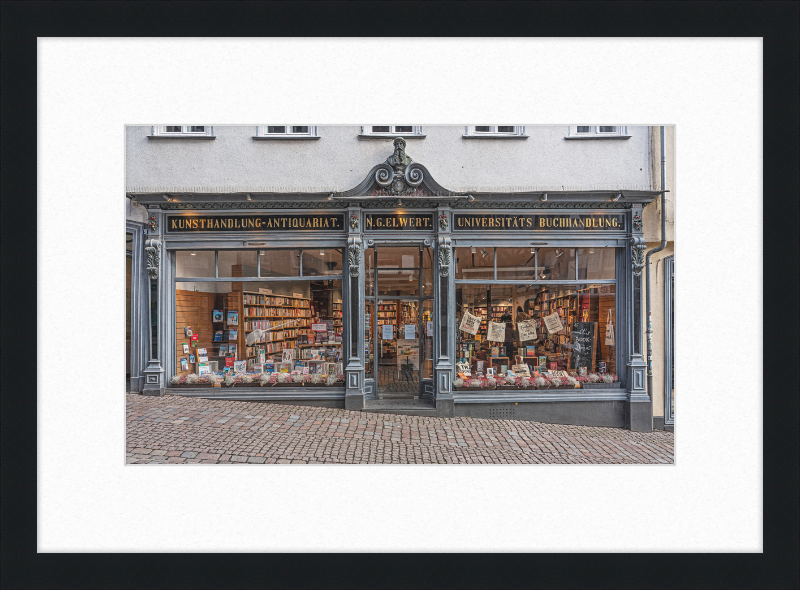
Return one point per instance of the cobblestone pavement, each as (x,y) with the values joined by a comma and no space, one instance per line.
(176,429)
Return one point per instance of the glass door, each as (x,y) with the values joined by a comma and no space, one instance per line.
(398,323)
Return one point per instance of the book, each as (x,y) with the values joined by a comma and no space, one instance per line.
(202,369)
(185,348)
(495,351)
(542,361)
(229,360)
(187,330)
(216,315)
(184,365)
(239,366)
(223,349)
(191,358)
(530,351)
(233,318)
(195,337)
(233,334)
(218,336)
(202,358)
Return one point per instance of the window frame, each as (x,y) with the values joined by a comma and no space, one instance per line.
(160,132)
(368,133)
(620,132)
(262,132)
(258,277)
(471,132)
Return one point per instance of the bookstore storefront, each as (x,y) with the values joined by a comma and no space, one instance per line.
(494,305)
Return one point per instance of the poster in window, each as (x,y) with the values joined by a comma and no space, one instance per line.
(527,330)
(553,323)
(469,323)
(410,331)
(388,331)
(497,332)
(288,355)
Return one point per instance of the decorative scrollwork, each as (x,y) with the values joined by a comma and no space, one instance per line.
(637,258)
(384,175)
(444,260)
(153,250)
(413,175)
(354,258)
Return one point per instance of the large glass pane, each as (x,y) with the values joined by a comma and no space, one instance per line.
(398,282)
(596,263)
(574,325)
(369,326)
(280,263)
(556,264)
(398,352)
(322,261)
(369,271)
(398,257)
(427,327)
(194,263)
(246,327)
(516,264)
(474,263)
(128,261)
(237,263)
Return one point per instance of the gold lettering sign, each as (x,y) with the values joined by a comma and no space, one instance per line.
(398,221)
(238,223)
(539,223)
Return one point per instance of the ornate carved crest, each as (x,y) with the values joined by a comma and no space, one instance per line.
(153,221)
(443,221)
(399,176)
(354,220)
(637,221)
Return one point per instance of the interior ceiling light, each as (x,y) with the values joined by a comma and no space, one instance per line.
(617,197)
(543,197)
(194,253)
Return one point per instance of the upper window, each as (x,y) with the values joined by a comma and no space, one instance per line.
(286,132)
(379,131)
(495,132)
(598,132)
(183,131)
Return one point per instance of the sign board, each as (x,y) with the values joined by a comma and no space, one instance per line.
(407,353)
(522,370)
(527,330)
(255,223)
(263,291)
(319,327)
(387,331)
(398,221)
(553,323)
(297,295)
(527,223)
(496,332)
(469,323)
(584,336)
(409,331)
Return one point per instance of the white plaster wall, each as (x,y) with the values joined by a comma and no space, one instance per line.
(651,215)
(235,162)
(657,304)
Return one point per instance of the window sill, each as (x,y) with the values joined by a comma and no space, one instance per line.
(390,136)
(277,137)
(176,136)
(490,136)
(588,136)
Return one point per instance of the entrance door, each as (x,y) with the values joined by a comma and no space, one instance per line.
(399,322)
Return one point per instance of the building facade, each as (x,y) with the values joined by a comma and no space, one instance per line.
(491,271)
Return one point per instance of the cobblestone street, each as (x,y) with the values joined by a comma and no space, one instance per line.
(175,429)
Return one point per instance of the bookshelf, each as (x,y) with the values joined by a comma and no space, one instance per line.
(285,319)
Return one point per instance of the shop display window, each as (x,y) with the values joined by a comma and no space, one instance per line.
(516,264)
(256,332)
(596,263)
(564,333)
(556,264)
(194,263)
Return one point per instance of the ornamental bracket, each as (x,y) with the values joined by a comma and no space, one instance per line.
(153,250)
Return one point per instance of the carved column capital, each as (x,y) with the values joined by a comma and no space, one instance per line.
(153,250)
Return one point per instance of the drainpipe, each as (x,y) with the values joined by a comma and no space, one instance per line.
(647,267)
